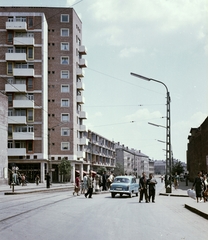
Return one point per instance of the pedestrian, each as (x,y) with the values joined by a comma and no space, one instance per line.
(205,190)
(48,178)
(37,179)
(104,180)
(77,185)
(199,186)
(90,181)
(23,179)
(161,178)
(85,182)
(110,179)
(82,187)
(176,180)
(151,182)
(143,188)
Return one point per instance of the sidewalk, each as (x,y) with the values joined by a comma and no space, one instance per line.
(200,208)
(33,188)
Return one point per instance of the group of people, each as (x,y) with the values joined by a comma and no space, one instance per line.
(147,188)
(18,179)
(201,187)
(85,186)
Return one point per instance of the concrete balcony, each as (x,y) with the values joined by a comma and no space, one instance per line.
(27,72)
(80,154)
(83,141)
(82,63)
(28,41)
(15,88)
(82,50)
(83,115)
(16,151)
(80,99)
(23,104)
(80,72)
(17,120)
(23,135)
(83,128)
(16,57)
(16,26)
(80,85)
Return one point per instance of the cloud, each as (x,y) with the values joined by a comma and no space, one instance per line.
(143,115)
(135,23)
(129,52)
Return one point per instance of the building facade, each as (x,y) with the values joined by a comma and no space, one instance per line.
(41,71)
(100,153)
(3,134)
(197,150)
(132,161)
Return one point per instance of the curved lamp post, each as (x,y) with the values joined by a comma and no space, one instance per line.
(168,132)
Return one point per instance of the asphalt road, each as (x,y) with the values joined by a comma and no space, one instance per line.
(60,215)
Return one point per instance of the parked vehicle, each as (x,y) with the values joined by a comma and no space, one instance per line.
(124,185)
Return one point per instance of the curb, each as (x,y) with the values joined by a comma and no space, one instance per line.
(41,190)
(194,210)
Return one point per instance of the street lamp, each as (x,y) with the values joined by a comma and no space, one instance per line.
(168,132)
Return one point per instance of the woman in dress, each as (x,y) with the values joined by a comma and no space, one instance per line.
(199,186)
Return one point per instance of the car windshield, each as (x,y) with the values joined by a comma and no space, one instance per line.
(121,180)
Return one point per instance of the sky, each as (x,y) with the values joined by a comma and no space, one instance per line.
(161,39)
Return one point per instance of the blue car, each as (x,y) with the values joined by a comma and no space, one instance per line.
(124,185)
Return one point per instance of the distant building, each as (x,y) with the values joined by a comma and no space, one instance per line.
(160,167)
(3,134)
(99,153)
(197,150)
(133,161)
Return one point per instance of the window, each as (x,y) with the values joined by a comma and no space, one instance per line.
(30,96)
(10,37)
(30,84)
(65,131)
(64,74)
(65,46)
(29,146)
(65,102)
(30,54)
(64,32)
(65,146)
(30,115)
(9,68)
(30,22)
(64,88)
(64,18)
(10,131)
(64,60)
(65,117)
(10,50)
(10,144)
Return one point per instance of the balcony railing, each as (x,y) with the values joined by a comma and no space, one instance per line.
(16,26)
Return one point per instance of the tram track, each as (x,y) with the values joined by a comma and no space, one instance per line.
(8,221)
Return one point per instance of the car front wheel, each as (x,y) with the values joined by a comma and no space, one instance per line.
(113,195)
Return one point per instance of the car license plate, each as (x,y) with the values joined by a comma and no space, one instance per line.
(120,189)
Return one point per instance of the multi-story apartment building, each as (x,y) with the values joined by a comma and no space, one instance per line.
(41,71)
(100,153)
(3,134)
(131,160)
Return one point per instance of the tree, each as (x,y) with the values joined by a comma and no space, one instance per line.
(65,169)
(118,170)
(177,167)
(100,170)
